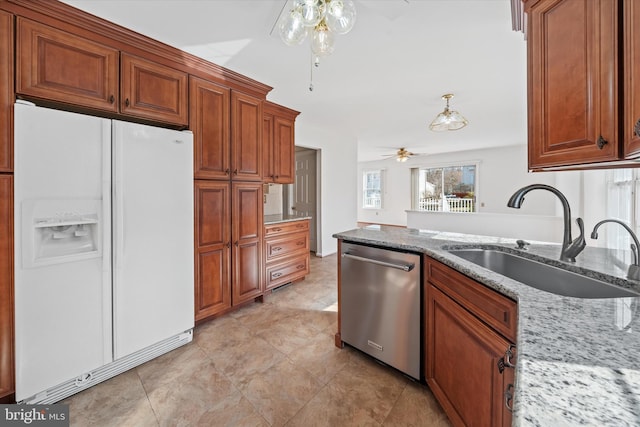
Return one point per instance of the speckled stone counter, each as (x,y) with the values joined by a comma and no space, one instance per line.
(277,218)
(578,359)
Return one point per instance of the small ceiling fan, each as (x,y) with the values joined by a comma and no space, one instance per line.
(402,155)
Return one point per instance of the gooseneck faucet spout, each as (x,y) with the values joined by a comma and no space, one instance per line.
(570,248)
(634,269)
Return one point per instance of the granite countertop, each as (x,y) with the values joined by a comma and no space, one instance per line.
(277,218)
(578,359)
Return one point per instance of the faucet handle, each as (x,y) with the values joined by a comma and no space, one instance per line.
(521,244)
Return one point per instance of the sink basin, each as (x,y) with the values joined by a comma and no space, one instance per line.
(542,276)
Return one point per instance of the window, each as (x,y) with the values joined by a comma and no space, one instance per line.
(623,203)
(372,189)
(445,189)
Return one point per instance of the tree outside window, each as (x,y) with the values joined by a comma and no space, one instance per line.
(372,189)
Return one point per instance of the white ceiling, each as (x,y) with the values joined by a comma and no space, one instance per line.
(383,83)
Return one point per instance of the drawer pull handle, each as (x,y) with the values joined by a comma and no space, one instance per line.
(277,248)
(226,171)
(112,99)
(275,275)
(235,171)
(508,397)
(636,128)
(276,230)
(126,102)
(508,355)
(601,142)
(300,266)
(300,243)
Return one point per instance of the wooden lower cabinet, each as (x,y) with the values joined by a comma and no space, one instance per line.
(212,248)
(467,362)
(286,252)
(7,384)
(247,225)
(228,246)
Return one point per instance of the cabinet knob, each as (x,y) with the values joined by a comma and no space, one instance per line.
(236,244)
(235,171)
(126,102)
(226,171)
(228,245)
(112,99)
(601,142)
(636,128)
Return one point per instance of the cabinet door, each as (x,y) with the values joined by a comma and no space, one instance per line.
(462,356)
(631,130)
(246,137)
(7,385)
(267,148)
(153,91)
(58,66)
(283,150)
(573,82)
(213,248)
(209,121)
(247,225)
(6,92)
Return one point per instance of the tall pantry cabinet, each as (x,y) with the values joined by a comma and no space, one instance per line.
(6,208)
(227,127)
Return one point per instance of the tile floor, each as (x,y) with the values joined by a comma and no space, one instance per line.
(269,364)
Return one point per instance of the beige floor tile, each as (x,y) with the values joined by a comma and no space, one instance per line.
(281,391)
(170,367)
(321,357)
(289,334)
(416,407)
(329,408)
(117,402)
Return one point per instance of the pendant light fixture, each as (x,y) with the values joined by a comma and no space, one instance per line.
(319,18)
(448,119)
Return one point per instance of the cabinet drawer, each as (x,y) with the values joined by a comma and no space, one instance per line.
(286,227)
(287,271)
(286,245)
(493,308)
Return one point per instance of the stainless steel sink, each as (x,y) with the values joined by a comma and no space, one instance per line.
(542,276)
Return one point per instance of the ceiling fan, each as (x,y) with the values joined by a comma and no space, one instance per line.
(402,155)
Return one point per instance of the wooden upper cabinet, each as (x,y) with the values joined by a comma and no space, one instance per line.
(7,385)
(58,66)
(6,92)
(209,121)
(631,44)
(279,146)
(246,137)
(153,91)
(573,82)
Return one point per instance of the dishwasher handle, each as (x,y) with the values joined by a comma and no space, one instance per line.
(403,267)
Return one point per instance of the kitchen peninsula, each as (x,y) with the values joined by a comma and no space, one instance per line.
(578,359)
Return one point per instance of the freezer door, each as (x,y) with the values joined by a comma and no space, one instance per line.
(62,246)
(153,235)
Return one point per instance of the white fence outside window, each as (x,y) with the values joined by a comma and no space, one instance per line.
(446,205)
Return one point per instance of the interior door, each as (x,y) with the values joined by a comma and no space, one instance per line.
(302,193)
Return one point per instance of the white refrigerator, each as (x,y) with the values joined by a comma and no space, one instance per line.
(103,248)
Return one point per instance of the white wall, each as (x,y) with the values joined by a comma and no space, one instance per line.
(273,199)
(337,184)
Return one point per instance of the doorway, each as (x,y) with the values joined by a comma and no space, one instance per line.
(300,198)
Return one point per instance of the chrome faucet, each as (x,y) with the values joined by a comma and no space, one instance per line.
(570,248)
(634,269)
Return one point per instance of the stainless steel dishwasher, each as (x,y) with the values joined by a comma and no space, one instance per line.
(380,304)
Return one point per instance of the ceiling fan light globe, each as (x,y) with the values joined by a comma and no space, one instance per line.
(322,42)
(312,11)
(340,16)
(292,30)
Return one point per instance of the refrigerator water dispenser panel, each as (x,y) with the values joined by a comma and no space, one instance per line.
(60,231)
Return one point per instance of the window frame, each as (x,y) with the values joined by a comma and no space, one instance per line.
(365,173)
(415,185)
